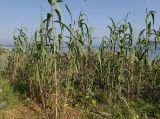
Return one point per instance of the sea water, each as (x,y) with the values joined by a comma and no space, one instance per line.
(153,53)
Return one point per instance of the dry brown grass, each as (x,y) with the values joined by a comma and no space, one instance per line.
(4,55)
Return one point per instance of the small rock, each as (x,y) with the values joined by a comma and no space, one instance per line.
(3,104)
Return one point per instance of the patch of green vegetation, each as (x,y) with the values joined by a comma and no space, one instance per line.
(8,97)
(146,108)
(1,51)
(138,109)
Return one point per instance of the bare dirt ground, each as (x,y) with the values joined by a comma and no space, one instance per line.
(25,112)
(20,112)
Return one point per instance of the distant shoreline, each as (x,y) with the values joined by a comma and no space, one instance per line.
(153,42)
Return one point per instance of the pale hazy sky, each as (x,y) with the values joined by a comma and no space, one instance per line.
(17,13)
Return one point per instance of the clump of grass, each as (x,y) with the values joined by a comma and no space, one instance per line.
(8,97)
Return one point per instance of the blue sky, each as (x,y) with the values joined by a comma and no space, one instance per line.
(17,13)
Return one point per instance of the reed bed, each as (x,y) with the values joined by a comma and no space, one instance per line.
(119,70)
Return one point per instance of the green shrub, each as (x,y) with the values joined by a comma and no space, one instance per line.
(7,93)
